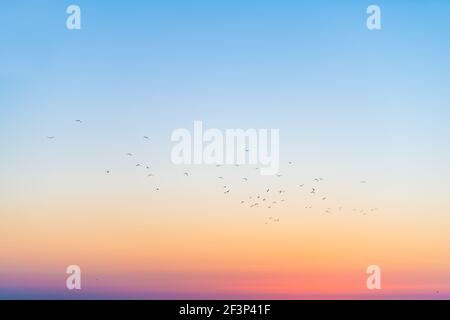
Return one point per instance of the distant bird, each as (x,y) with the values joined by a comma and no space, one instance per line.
(228,191)
(150,175)
(219,177)
(324,198)
(301,185)
(79,121)
(186,174)
(363,181)
(129,154)
(50,137)
(218,165)
(138,165)
(242,201)
(267,190)
(279,175)
(313,190)
(157,189)
(107,171)
(290,162)
(146,138)
(245,179)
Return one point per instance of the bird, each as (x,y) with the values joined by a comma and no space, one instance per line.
(129,154)
(301,185)
(107,171)
(228,191)
(186,174)
(219,177)
(79,121)
(138,165)
(150,175)
(313,190)
(245,179)
(146,138)
(50,137)
(363,181)
(267,190)
(157,189)
(324,198)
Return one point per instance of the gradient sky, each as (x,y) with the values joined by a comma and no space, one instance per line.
(351,105)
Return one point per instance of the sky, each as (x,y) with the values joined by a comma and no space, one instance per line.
(351,105)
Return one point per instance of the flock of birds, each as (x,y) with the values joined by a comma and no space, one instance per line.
(269,197)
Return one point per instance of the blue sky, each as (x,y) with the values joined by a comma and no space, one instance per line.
(336,90)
